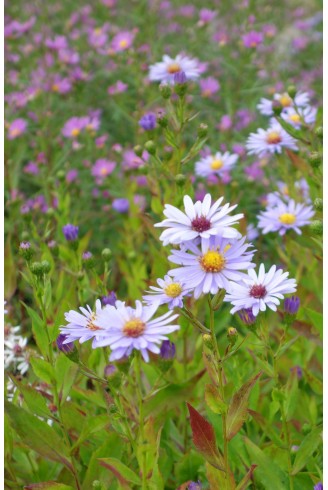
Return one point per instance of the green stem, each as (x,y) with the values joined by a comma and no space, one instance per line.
(141,420)
(219,370)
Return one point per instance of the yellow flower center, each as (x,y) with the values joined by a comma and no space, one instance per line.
(287,218)
(123,44)
(173,68)
(75,132)
(97,31)
(226,248)
(134,328)
(90,324)
(103,171)
(216,164)
(212,261)
(55,87)
(295,118)
(173,290)
(207,93)
(15,132)
(273,138)
(285,100)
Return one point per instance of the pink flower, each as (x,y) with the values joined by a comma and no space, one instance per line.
(209,86)
(16,128)
(74,126)
(252,39)
(122,41)
(102,168)
(118,88)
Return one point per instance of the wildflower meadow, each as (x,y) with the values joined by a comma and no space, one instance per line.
(163,228)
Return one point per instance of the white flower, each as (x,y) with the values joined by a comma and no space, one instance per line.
(272,140)
(259,291)
(170,292)
(210,267)
(301,99)
(132,328)
(16,354)
(165,70)
(295,118)
(200,220)
(82,327)
(285,216)
(217,164)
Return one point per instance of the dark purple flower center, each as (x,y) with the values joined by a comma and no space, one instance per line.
(200,224)
(258,291)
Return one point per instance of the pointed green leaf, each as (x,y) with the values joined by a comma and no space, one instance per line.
(122,472)
(213,400)
(306,449)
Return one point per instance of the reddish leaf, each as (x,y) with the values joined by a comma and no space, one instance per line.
(204,438)
(237,411)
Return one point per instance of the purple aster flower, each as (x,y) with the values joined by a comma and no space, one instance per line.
(291,305)
(206,15)
(148,121)
(247,316)
(121,205)
(285,216)
(59,42)
(16,128)
(257,291)
(180,78)
(66,348)
(216,164)
(272,140)
(318,486)
(71,175)
(102,168)
(83,326)
(167,351)
(110,299)
(165,70)
(252,39)
(195,485)
(74,126)
(122,41)
(209,86)
(169,292)
(110,370)
(132,328)
(71,232)
(118,88)
(210,267)
(226,123)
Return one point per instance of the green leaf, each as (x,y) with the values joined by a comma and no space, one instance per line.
(65,371)
(9,271)
(306,449)
(213,400)
(91,425)
(291,392)
(37,435)
(267,472)
(122,472)
(43,370)
(48,485)
(247,478)
(34,400)
(39,331)
(315,317)
(315,383)
(188,466)
(237,412)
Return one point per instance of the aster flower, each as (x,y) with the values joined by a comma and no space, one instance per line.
(121,205)
(70,232)
(210,267)
(102,168)
(165,70)
(209,86)
(272,140)
(296,117)
(132,328)
(252,39)
(300,100)
(83,326)
(285,216)
(74,126)
(169,292)
(258,291)
(122,41)
(16,128)
(216,164)
(199,220)
(15,353)
(148,121)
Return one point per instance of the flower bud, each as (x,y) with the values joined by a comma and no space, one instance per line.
(316,227)
(195,485)
(150,147)
(306,429)
(80,276)
(318,204)
(97,485)
(88,260)
(66,348)
(180,83)
(36,269)
(276,107)
(291,305)
(247,316)
(46,267)
(25,236)
(232,335)
(162,119)
(217,300)
(291,91)
(165,90)
(202,130)
(315,159)
(61,175)
(180,180)
(26,251)
(208,342)
(138,150)
(106,254)
(53,247)
(70,232)
(50,212)
(113,376)
(110,299)
(167,153)
(319,132)
(167,354)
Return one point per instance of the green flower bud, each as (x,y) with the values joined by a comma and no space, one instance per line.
(106,254)
(319,132)
(61,175)
(207,340)
(80,276)
(306,429)
(138,150)
(50,212)
(37,269)
(88,260)
(25,236)
(291,91)
(217,300)
(315,159)
(132,255)
(26,251)
(165,90)
(202,130)
(150,147)
(277,395)
(232,335)
(162,120)
(276,107)
(46,267)
(318,204)
(316,227)
(180,180)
